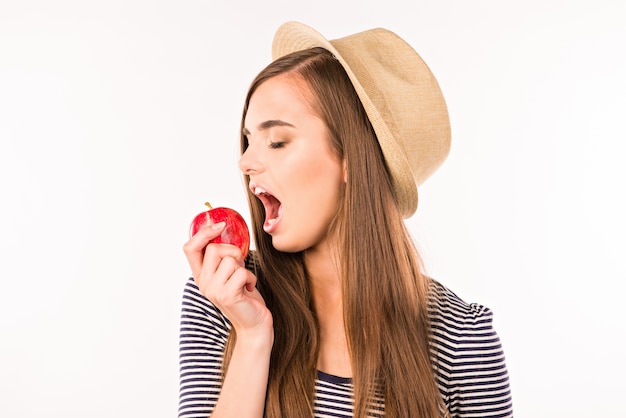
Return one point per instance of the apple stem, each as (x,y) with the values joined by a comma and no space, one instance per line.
(208,205)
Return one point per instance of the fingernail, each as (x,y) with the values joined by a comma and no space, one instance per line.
(218,225)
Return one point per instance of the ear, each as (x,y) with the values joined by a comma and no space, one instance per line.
(345,171)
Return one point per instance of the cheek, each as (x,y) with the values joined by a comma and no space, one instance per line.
(311,178)
(319,187)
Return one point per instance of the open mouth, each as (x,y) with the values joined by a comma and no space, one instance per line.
(273,208)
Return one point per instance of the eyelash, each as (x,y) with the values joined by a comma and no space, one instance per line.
(276,145)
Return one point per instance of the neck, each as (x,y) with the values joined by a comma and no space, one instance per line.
(322,264)
(324,272)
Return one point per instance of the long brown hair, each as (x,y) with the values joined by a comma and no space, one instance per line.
(384,289)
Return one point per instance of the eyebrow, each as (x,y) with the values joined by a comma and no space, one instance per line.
(269,124)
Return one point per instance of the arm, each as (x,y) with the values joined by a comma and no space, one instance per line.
(203,334)
(245,384)
(221,278)
(479,373)
(470,364)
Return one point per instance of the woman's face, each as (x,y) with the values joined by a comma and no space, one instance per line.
(291,167)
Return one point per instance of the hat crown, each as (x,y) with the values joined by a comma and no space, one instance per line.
(400,95)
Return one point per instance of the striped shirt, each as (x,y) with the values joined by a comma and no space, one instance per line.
(469,362)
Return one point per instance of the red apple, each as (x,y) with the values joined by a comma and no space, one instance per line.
(236,231)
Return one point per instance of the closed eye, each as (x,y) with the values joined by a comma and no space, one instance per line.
(276,145)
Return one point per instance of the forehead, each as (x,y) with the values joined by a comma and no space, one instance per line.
(284,96)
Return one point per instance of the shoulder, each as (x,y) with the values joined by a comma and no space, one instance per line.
(460,329)
(449,313)
(467,355)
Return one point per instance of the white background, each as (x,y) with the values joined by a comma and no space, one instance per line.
(118,120)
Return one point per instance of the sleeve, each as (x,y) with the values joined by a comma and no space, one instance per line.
(470,363)
(203,334)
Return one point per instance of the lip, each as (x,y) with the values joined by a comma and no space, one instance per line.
(272,204)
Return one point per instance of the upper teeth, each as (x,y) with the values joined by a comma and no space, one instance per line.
(259,190)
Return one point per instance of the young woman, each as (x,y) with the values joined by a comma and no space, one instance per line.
(331,315)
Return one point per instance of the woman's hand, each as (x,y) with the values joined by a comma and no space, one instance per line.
(220,274)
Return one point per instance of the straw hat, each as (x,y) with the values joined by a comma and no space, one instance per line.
(399,93)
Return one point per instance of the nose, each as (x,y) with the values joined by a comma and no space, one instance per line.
(249,162)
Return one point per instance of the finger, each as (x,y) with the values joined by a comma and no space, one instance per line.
(243,280)
(215,253)
(225,270)
(210,231)
(216,270)
(199,241)
(251,279)
(211,282)
(230,292)
(194,248)
(244,308)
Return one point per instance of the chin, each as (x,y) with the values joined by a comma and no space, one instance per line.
(286,246)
